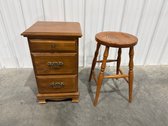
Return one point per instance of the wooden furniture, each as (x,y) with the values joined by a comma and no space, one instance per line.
(54,52)
(118,40)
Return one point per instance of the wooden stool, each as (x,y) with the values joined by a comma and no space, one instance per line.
(118,40)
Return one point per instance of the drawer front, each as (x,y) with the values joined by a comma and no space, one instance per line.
(57,84)
(55,63)
(52,45)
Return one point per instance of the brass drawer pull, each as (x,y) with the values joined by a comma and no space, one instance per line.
(53,46)
(57,84)
(55,64)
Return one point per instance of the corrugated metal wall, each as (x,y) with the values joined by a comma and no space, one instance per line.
(147,19)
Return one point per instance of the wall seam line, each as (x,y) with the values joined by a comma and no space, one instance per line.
(154,32)
(84,55)
(141,16)
(44,18)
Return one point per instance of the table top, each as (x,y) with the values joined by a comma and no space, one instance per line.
(116,39)
(51,28)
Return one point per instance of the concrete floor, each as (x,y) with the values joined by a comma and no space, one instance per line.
(18,105)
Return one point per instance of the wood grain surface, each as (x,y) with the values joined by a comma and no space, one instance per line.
(49,28)
(116,39)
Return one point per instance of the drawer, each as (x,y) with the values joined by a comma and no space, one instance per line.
(55,63)
(57,84)
(52,45)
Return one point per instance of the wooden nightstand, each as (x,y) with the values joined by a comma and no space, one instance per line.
(54,52)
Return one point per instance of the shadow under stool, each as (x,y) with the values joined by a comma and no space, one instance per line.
(117,40)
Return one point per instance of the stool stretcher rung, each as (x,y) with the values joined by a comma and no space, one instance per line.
(116,76)
(125,78)
(107,61)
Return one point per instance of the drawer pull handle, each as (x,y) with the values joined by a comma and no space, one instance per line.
(55,64)
(57,84)
(53,46)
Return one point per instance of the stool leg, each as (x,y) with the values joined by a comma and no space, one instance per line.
(131,73)
(94,61)
(101,75)
(118,60)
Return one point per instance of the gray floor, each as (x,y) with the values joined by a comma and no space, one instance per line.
(18,105)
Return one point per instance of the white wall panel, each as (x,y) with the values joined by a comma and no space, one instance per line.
(54,10)
(163,38)
(157,50)
(148,25)
(148,19)
(13,22)
(74,11)
(32,11)
(114,10)
(131,21)
(94,11)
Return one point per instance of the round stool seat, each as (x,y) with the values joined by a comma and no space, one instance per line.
(116,39)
